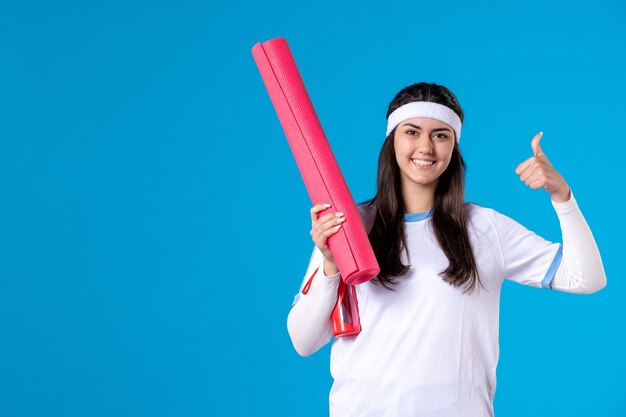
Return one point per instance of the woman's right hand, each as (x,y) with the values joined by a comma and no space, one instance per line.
(324,227)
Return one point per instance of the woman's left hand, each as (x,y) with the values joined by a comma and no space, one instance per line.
(537,172)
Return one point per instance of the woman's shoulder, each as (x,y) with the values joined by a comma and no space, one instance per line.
(480,215)
(367,210)
(367,204)
(475,209)
(487,217)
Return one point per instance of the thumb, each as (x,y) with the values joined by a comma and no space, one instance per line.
(535,144)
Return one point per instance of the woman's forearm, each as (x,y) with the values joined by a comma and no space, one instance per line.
(581,270)
(309,322)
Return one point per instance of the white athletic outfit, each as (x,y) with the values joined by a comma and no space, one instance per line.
(426,349)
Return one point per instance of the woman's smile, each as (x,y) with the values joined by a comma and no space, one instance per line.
(423,163)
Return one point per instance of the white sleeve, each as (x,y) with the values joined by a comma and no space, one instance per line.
(527,258)
(581,270)
(309,323)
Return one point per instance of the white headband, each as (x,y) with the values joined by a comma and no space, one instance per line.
(425,109)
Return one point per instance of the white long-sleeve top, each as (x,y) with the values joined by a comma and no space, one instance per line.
(444,342)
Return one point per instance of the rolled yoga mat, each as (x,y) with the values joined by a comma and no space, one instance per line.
(322,177)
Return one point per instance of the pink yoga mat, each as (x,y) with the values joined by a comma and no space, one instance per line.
(317,164)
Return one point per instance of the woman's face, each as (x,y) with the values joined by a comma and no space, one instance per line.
(423,149)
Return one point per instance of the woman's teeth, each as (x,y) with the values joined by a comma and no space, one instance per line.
(422,163)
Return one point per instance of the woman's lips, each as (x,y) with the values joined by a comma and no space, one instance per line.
(423,162)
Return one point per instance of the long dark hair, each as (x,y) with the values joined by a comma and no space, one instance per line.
(449,212)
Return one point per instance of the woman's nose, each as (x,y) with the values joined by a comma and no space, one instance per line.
(425,145)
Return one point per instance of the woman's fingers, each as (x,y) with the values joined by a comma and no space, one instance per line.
(327,222)
(325,226)
(316,209)
(534,144)
(531,167)
(540,174)
(536,179)
(524,165)
(330,218)
(328,232)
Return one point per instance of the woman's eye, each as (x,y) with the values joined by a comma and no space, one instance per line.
(409,131)
(441,136)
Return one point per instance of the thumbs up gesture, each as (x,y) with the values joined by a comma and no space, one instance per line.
(537,172)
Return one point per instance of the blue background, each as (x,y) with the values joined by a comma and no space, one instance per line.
(154,227)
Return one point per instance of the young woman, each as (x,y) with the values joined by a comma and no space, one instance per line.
(429,339)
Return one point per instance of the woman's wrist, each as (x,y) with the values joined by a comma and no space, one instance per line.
(562,196)
(330,268)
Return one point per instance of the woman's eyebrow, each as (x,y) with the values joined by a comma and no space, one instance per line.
(434,130)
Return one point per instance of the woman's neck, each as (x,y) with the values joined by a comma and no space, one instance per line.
(418,198)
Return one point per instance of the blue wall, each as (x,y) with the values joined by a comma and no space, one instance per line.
(154,227)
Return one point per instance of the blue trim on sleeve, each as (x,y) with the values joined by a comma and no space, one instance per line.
(295,299)
(547,280)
